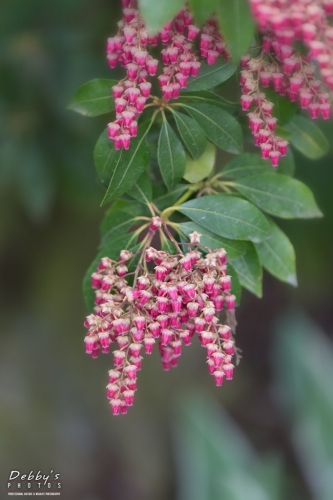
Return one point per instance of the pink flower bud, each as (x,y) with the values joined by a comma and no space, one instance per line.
(177,347)
(186,337)
(149,344)
(128,397)
(229,371)
(186,263)
(125,140)
(246,101)
(120,104)
(133,128)
(205,41)
(96,280)
(163,320)
(255,123)
(265,78)
(162,304)
(155,328)
(115,406)
(156,223)
(200,324)
(176,305)
(152,65)
(111,390)
(182,80)
(112,60)
(211,366)
(305,99)
(325,110)
(189,290)
(289,65)
(218,357)
(208,313)
(274,156)
(282,147)
(212,56)
(90,343)
(130,384)
(130,371)
(230,301)
(132,71)
(218,302)
(219,376)
(271,122)
(195,68)
(144,297)
(265,150)
(226,283)
(206,338)
(192,309)
(145,88)
(166,336)
(193,31)
(277,80)
(119,357)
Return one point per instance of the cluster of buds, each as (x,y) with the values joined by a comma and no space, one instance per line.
(181,296)
(278,66)
(303,20)
(129,48)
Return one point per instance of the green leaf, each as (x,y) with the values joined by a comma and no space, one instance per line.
(249,270)
(278,255)
(105,157)
(120,211)
(237,26)
(284,110)
(121,223)
(199,169)
(211,76)
(202,10)
(307,138)
(248,164)
(227,216)
(233,248)
(207,97)
(219,126)
(94,98)
(112,251)
(130,165)
(192,135)
(171,156)
(142,190)
(157,14)
(168,199)
(279,195)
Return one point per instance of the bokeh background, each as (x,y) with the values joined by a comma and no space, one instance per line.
(267,435)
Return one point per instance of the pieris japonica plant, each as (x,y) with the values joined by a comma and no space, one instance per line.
(188,227)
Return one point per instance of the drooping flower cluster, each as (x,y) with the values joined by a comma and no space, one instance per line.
(303,20)
(129,48)
(180,297)
(289,74)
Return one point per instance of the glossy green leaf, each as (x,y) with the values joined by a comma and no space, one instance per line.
(118,213)
(171,156)
(208,97)
(307,138)
(279,195)
(105,157)
(168,199)
(197,170)
(278,255)
(202,10)
(248,164)
(94,98)
(219,126)
(237,26)
(192,135)
(157,14)
(211,76)
(249,270)
(110,250)
(142,190)
(227,216)
(284,110)
(211,240)
(130,165)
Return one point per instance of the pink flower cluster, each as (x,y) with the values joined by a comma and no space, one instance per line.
(281,67)
(179,298)
(303,20)
(129,48)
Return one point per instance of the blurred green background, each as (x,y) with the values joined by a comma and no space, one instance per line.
(266,435)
